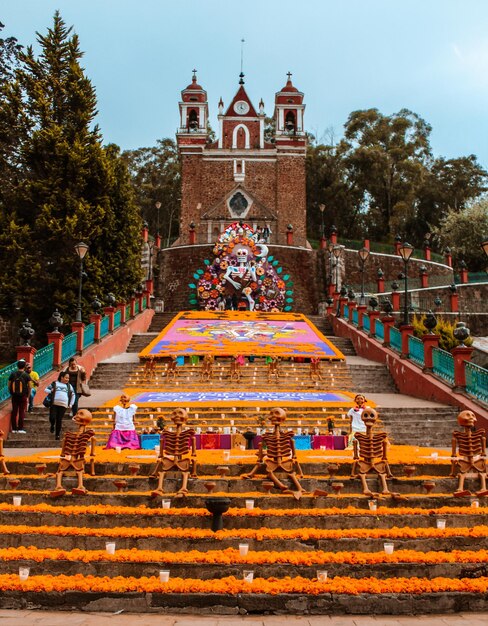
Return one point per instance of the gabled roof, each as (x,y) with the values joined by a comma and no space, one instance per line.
(220,210)
(241,94)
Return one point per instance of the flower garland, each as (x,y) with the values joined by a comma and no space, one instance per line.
(231,556)
(259,534)
(233,586)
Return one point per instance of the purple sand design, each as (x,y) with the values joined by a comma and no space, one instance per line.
(241,396)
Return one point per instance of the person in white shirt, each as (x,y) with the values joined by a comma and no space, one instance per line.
(124,433)
(357,424)
(62,397)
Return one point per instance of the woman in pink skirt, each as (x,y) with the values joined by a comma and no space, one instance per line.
(124,433)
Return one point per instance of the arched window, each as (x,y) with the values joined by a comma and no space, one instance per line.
(290,122)
(193,120)
(241,137)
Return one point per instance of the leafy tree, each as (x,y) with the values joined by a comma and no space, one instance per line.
(463,231)
(156,177)
(70,189)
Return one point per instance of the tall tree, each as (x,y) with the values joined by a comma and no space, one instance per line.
(65,192)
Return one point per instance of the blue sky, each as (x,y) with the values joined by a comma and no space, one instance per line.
(430,56)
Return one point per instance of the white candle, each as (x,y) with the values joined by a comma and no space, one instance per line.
(226,455)
(24,573)
(388,547)
(322,447)
(475,504)
(118,449)
(17,500)
(164,576)
(322,576)
(248,576)
(166,504)
(249,504)
(110,547)
(441,523)
(435,456)
(372,505)
(243,549)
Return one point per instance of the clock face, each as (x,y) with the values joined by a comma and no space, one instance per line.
(241,107)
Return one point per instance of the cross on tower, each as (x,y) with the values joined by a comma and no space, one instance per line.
(194,74)
(289,74)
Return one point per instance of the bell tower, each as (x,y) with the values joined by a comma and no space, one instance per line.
(193,109)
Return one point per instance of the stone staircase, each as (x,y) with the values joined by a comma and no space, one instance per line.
(371,378)
(426,426)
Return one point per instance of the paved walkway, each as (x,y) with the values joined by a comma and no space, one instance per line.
(46,618)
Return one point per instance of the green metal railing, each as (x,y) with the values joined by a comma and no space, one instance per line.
(89,336)
(346,312)
(43,360)
(443,364)
(355,317)
(136,310)
(68,348)
(117,318)
(104,326)
(395,339)
(4,376)
(379,330)
(416,350)
(366,323)
(127,312)
(477,381)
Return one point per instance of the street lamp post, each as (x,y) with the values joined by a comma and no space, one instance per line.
(322,209)
(330,248)
(363,256)
(406,251)
(81,249)
(158,206)
(337,252)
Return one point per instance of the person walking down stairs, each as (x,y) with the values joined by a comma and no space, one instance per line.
(77,376)
(62,398)
(19,388)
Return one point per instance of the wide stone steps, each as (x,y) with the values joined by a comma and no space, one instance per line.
(423,426)
(109,375)
(371,378)
(160,321)
(140,341)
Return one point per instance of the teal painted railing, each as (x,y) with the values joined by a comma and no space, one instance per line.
(346,312)
(355,317)
(137,307)
(117,318)
(68,347)
(43,360)
(104,326)
(127,312)
(89,337)
(4,376)
(443,364)
(416,350)
(477,381)
(366,323)
(395,339)
(379,330)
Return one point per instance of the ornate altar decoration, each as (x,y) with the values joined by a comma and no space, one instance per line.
(280,455)
(177,453)
(241,274)
(3,465)
(468,453)
(370,454)
(73,454)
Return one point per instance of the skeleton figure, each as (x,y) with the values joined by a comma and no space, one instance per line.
(235,369)
(177,453)
(280,455)
(171,368)
(315,373)
(207,368)
(471,446)
(149,369)
(73,454)
(241,275)
(273,368)
(3,465)
(368,447)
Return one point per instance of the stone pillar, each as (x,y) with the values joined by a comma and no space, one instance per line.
(150,285)
(406,330)
(323,243)
(121,308)
(145,233)
(448,257)
(464,275)
(454,300)
(96,320)
(373,316)
(333,235)
(140,297)
(366,244)
(57,339)
(27,353)
(461,354)
(430,342)
(330,309)
(361,312)
(424,280)
(388,322)
(110,311)
(157,241)
(289,237)
(380,284)
(132,303)
(351,306)
(192,235)
(395,300)
(398,245)
(79,328)
(427,253)
(331,289)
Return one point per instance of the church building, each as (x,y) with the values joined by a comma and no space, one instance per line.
(243,175)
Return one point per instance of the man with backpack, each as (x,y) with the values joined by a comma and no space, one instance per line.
(19,388)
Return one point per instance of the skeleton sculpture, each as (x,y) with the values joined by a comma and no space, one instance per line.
(3,465)
(177,453)
(73,454)
(315,372)
(370,454)
(273,368)
(280,455)
(240,276)
(207,368)
(171,368)
(471,446)
(235,369)
(149,372)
